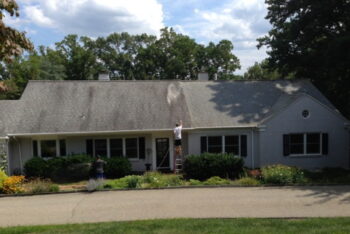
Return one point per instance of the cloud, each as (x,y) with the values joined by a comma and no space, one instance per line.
(95,17)
(241,21)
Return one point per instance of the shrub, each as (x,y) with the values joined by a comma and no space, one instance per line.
(247,181)
(41,186)
(13,184)
(194,182)
(35,167)
(216,180)
(202,167)
(281,174)
(73,172)
(3,177)
(159,180)
(117,167)
(255,173)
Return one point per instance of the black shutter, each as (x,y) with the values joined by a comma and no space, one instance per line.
(204,144)
(142,148)
(63,151)
(243,145)
(286,146)
(325,143)
(89,147)
(35,148)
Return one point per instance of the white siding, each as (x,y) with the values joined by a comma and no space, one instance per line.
(290,120)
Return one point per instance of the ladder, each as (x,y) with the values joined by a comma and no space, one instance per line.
(178,160)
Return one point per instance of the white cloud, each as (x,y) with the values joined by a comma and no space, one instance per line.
(241,21)
(96,17)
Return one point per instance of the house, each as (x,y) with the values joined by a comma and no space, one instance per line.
(265,122)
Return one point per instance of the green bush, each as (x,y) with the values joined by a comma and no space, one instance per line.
(216,180)
(194,182)
(117,167)
(36,167)
(202,167)
(159,180)
(68,168)
(247,181)
(281,174)
(3,177)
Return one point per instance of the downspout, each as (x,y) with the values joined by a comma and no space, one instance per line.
(8,154)
(252,148)
(20,155)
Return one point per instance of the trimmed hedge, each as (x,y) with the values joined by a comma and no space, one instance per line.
(117,167)
(207,165)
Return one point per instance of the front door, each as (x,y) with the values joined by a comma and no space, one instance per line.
(162,153)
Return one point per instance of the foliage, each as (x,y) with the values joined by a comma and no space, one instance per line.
(13,184)
(12,42)
(117,167)
(40,186)
(281,174)
(207,165)
(312,40)
(247,181)
(328,176)
(261,71)
(255,173)
(3,177)
(194,182)
(3,161)
(215,180)
(66,168)
(148,180)
(35,167)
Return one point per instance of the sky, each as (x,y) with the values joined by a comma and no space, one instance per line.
(240,21)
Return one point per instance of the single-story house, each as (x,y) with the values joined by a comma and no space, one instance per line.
(265,122)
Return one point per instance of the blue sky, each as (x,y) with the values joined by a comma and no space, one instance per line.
(241,21)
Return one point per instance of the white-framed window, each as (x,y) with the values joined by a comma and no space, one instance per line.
(130,147)
(49,148)
(231,144)
(305,144)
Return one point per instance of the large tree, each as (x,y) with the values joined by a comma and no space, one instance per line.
(312,39)
(12,42)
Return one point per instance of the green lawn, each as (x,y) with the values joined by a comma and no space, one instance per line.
(201,226)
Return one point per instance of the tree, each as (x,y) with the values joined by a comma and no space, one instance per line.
(219,59)
(312,39)
(261,71)
(12,42)
(77,57)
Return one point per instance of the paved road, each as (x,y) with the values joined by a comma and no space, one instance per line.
(175,203)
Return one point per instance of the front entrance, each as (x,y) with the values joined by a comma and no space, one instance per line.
(162,153)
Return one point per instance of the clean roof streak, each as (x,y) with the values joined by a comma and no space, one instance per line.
(89,106)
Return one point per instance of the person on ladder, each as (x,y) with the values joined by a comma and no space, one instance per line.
(177,143)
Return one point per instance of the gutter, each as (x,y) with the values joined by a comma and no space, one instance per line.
(126,131)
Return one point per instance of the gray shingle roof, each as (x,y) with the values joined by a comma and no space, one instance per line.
(93,106)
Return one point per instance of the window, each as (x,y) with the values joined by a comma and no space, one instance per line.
(63,151)
(232,145)
(131,148)
(116,147)
(305,114)
(235,144)
(296,143)
(48,148)
(305,144)
(313,143)
(101,147)
(214,144)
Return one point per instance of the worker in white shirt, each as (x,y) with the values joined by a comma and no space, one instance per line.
(177,134)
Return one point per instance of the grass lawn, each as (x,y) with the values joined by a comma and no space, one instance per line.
(202,226)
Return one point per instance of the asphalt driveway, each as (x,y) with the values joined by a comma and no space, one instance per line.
(313,201)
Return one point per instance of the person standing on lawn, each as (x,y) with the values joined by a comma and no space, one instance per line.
(98,166)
